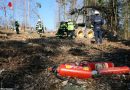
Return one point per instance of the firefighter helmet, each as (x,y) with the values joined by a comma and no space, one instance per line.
(39,20)
(96,12)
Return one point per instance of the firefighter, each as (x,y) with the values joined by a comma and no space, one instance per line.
(97,22)
(39,27)
(17,27)
(70,27)
(62,29)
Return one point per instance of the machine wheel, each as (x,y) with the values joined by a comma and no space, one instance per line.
(79,33)
(90,34)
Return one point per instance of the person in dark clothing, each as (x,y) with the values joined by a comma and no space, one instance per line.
(97,22)
(17,27)
(62,29)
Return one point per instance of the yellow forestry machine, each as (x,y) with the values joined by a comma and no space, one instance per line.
(83,26)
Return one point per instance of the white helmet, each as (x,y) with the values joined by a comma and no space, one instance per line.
(96,12)
(39,20)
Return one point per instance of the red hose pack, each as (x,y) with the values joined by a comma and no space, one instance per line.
(114,70)
(97,65)
(73,71)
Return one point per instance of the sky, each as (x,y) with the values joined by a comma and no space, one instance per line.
(47,12)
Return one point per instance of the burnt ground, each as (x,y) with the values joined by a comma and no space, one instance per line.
(24,62)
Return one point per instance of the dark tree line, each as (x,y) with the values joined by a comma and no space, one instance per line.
(116,13)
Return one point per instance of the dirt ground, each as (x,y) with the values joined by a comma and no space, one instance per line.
(25,59)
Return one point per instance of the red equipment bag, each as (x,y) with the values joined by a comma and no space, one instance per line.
(114,70)
(73,71)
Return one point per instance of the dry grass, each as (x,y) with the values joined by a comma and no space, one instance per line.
(26,60)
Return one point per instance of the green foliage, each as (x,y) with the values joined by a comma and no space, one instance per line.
(101,2)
